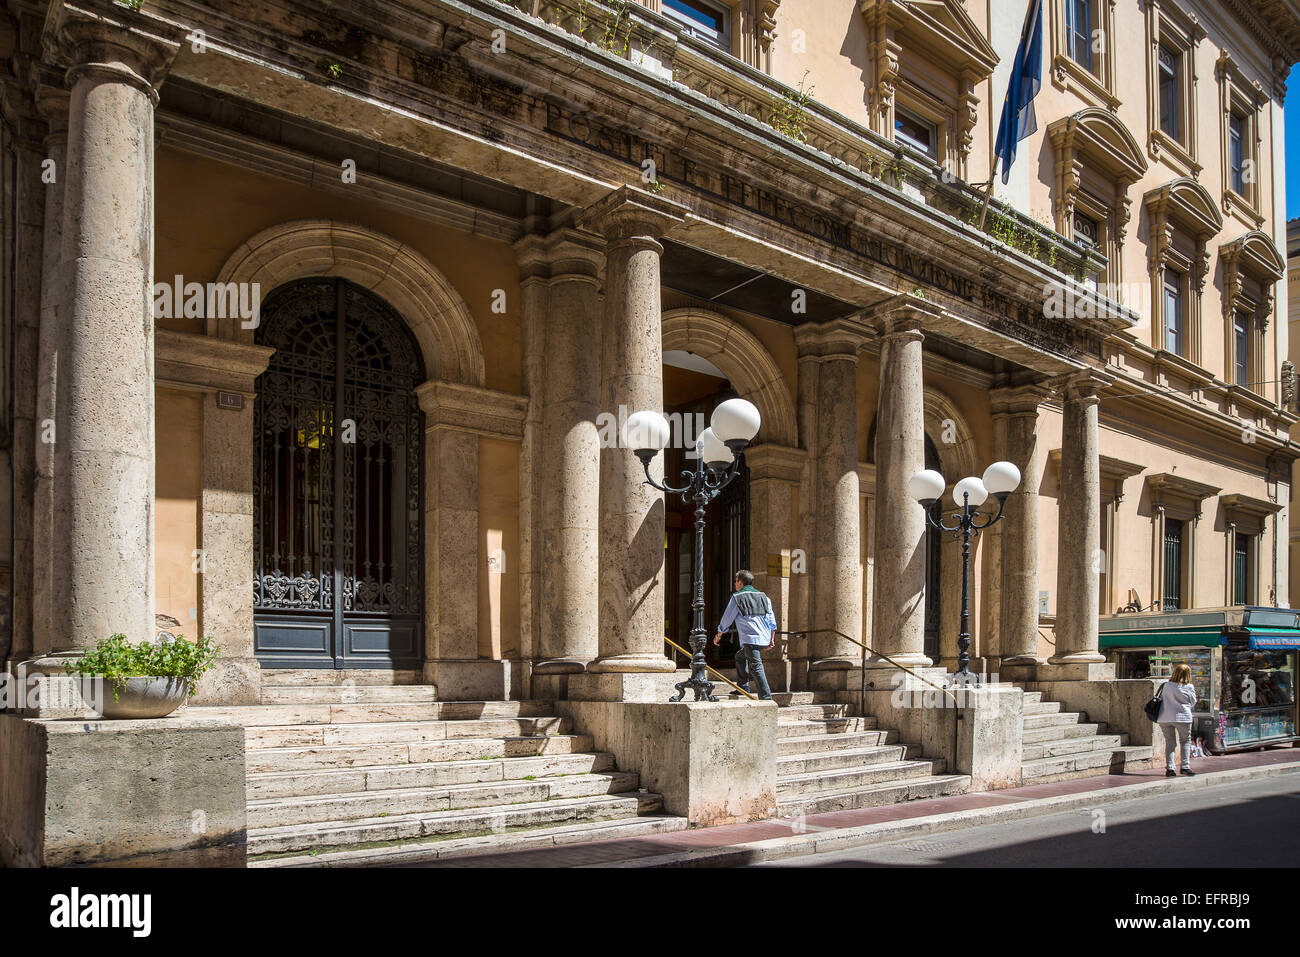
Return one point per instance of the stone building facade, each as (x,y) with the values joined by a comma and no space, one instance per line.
(319,318)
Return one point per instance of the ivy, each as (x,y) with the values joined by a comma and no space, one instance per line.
(117,660)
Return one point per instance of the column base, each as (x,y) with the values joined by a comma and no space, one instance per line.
(646,687)
(231,681)
(560,666)
(912,660)
(1050,671)
(834,664)
(1077,658)
(631,664)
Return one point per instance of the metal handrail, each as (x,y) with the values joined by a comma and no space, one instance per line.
(714,670)
(863,645)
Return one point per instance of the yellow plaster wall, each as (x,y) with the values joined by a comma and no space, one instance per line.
(178,426)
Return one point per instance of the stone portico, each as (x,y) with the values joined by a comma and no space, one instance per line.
(547,289)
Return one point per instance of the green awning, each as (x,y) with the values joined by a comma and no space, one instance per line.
(1195,637)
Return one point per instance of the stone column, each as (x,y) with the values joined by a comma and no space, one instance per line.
(837,558)
(631,512)
(22,576)
(1079,525)
(898,618)
(105,450)
(567,457)
(53,104)
(1019,585)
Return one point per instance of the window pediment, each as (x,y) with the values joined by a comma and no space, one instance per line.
(1099,136)
(1238,506)
(943,28)
(1170,489)
(1255,254)
(1185,203)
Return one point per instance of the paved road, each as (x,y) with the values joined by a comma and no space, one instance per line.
(1252,824)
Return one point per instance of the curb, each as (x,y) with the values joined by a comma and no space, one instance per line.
(840,839)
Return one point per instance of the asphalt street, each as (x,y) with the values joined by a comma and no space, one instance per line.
(1252,824)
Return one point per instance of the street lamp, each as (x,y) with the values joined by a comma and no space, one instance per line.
(718,450)
(1000,480)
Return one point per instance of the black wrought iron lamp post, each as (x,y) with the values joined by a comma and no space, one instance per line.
(927,487)
(718,450)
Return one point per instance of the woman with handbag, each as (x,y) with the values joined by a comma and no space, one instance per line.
(1178,698)
(751,611)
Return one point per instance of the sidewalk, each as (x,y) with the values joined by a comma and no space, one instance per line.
(734,844)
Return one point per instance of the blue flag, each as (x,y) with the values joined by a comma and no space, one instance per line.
(1018,119)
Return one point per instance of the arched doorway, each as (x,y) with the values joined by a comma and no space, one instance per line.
(338,476)
(693,388)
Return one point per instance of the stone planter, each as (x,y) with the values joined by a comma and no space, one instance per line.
(138,698)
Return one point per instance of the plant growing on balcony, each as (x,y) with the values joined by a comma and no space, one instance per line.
(789,113)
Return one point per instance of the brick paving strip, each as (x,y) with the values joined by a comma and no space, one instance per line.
(729,845)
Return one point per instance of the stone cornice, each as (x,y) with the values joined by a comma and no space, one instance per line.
(194,361)
(1167,485)
(1249,506)
(466,408)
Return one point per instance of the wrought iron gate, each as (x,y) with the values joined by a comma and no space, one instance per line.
(338,466)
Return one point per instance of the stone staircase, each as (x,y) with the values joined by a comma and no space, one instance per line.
(1060,745)
(828,760)
(346,767)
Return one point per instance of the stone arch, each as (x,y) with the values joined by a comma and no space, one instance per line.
(960,458)
(442,324)
(747,364)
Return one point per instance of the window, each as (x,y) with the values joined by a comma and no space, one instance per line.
(1173,591)
(1087,233)
(1241,348)
(1236,153)
(1241,103)
(916,133)
(1078,32)
(1242,573)
(1170,64)
(1173,311)
(700,18)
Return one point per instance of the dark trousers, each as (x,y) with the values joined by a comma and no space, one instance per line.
(749,661)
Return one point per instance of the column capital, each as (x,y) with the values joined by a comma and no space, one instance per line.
(1019,400)
(52,103)
(904,315)
(628,213)
(836,339)
(563,252)
(1083,386)
(779,463)
(106,38)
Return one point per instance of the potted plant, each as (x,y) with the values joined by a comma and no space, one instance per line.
(147,680)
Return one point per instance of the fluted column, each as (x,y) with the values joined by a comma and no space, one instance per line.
(631,377)
(837,557)
(567,468)
(1079,525)
(105,450)
(1019,525)
(898,617)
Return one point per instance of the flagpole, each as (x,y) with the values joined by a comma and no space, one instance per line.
(988,194)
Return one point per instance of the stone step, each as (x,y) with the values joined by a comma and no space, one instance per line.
(809,712)
(878,795)
(1084,764)
(267,715)
(419,752)
(807,728)
(834,760)
(1031,721)
(314,677)
(1042,707)
(1056,732)
(395,732)
(462,823)
(1051,749)
(264,785)
(786,699)
(799,786)
(282,812)
(346,694)
(833,742)
(1033,697)
(403,852)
